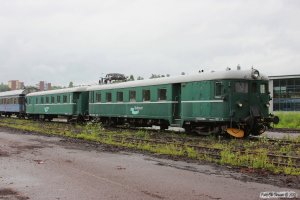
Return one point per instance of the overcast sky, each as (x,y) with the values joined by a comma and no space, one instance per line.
(81,40)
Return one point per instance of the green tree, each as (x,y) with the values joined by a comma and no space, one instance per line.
(155,76)
(56,87)
(4,87)
(71,84)
(131,78)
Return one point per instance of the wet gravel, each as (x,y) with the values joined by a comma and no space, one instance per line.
(237,173)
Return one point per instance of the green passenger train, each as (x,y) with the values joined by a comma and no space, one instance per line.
(71,103)
(234,102)
(230,102)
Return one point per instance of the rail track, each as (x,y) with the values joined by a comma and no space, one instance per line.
(213,152)
(203,146)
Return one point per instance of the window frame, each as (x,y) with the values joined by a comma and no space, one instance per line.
(58,99)
(52,99)
(108,97)
(145,91)
(120,96)
(218,88)
(240,91)
(130,95)
(265,88)
(65,98)
(98,97)
(159,94)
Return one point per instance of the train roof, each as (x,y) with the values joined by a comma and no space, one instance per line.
(12,93)
(220,75)
(59,91)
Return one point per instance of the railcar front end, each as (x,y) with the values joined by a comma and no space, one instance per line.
(236,103)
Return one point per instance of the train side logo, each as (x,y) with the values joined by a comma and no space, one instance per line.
(46,109)
(136,110)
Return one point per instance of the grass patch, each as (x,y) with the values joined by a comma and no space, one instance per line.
(234,152)
(288,120)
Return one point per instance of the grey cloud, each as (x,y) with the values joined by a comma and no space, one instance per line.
(62,41)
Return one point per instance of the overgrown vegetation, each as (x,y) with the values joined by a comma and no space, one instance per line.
(240,153)
(288,120)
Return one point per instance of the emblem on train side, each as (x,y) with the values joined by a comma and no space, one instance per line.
(136,110)
(46,109)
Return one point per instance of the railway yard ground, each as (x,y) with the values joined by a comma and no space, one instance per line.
(51,160)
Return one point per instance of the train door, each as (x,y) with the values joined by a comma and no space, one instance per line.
(22,102)
(176,103)
(76,100)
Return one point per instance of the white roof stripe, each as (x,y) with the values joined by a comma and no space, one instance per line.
(11,93)
(231,74)
(66,90)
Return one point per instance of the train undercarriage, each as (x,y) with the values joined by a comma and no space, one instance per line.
(242,129)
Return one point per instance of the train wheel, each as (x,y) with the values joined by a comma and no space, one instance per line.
(164,127)
(188,129)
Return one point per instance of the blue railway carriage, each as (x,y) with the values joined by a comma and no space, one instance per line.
(70,103)
(13,103)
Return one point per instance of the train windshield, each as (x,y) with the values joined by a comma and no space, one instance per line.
(263,88)
(241,87)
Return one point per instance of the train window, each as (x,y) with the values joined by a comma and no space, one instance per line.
(47,99)
(58,99)
(162,94)
(108,97)
(146,95)
(98,97)
(52,99)
(241,87)
(263,88)
(254,88)
(42,100)
(65,99)
(15,100)
(119,96)
(132,95)
(218,89)
(36,100)
(29,100)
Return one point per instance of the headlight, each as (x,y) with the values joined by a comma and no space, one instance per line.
(267,105)
(239,105)
(255,74)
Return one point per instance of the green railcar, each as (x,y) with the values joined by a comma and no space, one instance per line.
(71,103)
(234,102)
(139,105)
